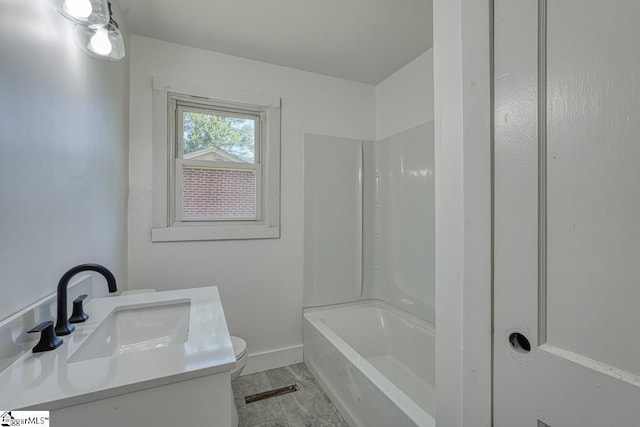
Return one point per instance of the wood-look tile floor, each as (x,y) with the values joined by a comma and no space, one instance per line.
(307,407)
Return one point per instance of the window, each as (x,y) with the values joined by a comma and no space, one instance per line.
(217,174)
(221,171)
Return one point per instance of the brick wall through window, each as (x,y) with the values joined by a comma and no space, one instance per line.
(218,193)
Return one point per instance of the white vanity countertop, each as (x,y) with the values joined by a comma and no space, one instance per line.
(48,381)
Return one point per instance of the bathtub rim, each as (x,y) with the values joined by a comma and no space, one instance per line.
(415,412)
(373,302)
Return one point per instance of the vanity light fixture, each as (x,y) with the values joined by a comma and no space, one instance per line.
(94,13)
(102,42)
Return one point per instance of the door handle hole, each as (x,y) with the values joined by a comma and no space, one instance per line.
(519,343)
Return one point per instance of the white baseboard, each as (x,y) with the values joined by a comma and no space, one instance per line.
(272,359)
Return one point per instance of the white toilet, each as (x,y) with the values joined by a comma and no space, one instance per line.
(240,350)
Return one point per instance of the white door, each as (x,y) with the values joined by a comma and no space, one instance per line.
(567,213)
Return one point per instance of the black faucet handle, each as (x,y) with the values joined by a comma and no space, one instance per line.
(78,315)
(48,339)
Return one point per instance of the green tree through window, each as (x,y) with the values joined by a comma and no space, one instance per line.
(233,135)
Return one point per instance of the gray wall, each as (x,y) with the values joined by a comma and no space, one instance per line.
(63,155)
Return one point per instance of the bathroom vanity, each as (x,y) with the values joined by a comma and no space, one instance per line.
(150,359)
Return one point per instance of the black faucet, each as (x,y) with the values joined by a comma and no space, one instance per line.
(63,327)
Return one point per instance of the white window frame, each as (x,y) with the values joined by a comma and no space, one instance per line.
(168,224)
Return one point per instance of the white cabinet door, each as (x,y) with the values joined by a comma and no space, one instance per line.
(567,213)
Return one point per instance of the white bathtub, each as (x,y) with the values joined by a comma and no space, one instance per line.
(375,362)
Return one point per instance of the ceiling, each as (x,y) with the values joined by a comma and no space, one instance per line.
(360,40)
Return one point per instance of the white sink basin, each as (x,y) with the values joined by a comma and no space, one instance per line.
(130,329)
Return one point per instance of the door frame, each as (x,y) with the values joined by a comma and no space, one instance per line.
(463,38)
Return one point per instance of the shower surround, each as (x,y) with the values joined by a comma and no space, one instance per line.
(369,261)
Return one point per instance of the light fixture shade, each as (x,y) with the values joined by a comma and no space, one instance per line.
(90,13)
(104,43)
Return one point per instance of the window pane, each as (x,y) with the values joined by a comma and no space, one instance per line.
(218,137)
(218,194)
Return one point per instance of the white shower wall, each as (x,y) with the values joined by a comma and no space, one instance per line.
(369,221)
(332,220)
(399,222)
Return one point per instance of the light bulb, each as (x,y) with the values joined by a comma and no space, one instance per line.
(100,43)
(78,8)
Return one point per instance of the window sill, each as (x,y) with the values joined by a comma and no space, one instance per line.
(188,233)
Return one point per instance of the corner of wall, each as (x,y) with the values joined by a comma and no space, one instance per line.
(405,99)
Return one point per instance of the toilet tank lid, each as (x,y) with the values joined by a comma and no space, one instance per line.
(239,346)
